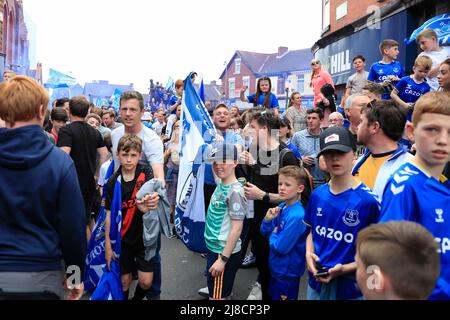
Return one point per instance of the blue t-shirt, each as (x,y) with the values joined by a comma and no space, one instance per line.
(273,100)
(229,137)
(410,91)
(335,221)
(172,101)
(380,72)
(413,195)
(288,244)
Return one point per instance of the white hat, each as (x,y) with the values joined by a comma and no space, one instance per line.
(147,116)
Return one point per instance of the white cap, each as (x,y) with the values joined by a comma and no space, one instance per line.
(147,116)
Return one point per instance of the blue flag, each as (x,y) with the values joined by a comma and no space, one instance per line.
(58,79)
(106,283)
(201,91)
(440,24)
(115,99)
(198,131)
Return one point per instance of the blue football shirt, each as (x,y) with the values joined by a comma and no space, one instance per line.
(380,72)
(335,221)
(172,101)
(273,100)
(413,195)
(410,91)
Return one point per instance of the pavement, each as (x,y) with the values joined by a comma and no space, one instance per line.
(183,274)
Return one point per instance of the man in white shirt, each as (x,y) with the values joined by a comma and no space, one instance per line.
(131,112)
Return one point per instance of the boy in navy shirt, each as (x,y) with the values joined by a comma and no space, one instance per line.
(418,191)
(287,235)
(336,212)
(409,89)
(387,71)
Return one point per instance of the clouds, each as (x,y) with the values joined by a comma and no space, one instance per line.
(133,41)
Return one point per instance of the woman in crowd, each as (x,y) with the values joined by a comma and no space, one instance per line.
(234,112)
(319,78)
(296,113)
(172,158)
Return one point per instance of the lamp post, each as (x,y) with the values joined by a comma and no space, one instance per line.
(288,86)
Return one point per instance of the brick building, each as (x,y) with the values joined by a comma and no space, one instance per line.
(352,27)
(289,71)
(14,43)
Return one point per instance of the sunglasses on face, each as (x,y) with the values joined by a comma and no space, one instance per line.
(315,63)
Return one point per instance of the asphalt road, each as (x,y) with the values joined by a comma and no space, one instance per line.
(183,274)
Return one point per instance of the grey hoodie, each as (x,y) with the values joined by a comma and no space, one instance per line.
(157,220)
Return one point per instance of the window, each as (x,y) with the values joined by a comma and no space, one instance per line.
(231,87)
(281,87)
(301,83)
(274,81)
(326,14)
(246,82)
(237,66)
(341,11)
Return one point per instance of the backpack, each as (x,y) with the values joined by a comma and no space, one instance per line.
(309,185)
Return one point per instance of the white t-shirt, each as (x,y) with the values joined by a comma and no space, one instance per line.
(437,57)
(158,126)
(152,146)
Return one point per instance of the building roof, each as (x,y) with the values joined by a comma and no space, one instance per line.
(296,60)
(104,89)
(213,92)
(76,90)
(273,63)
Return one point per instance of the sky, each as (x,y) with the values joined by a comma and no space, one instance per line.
(134,41)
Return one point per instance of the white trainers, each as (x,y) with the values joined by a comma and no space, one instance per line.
(255,293)
(204,292)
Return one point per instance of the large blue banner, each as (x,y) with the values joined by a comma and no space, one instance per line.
(440,24)
(337,56)
(197,131)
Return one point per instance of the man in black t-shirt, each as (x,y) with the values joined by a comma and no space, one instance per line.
(83,143)
(264,161)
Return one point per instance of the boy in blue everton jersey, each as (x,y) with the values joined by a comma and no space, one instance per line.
(387,71)
(417,191)
(409,89)
(263,96)
(287,235)
(336,212)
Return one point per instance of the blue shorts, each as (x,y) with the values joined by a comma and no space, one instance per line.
(284,289)
(222,286)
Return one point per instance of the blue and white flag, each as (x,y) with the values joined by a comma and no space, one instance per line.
(105,283)
(170,85)
(197,132)
(115,99)
(440,24)
(58,79)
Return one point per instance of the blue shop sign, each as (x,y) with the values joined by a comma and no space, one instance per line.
(338,55)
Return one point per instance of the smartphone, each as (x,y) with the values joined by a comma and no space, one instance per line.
(321,270)
(322,273)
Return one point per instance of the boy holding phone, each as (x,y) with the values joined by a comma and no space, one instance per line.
(336,212)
